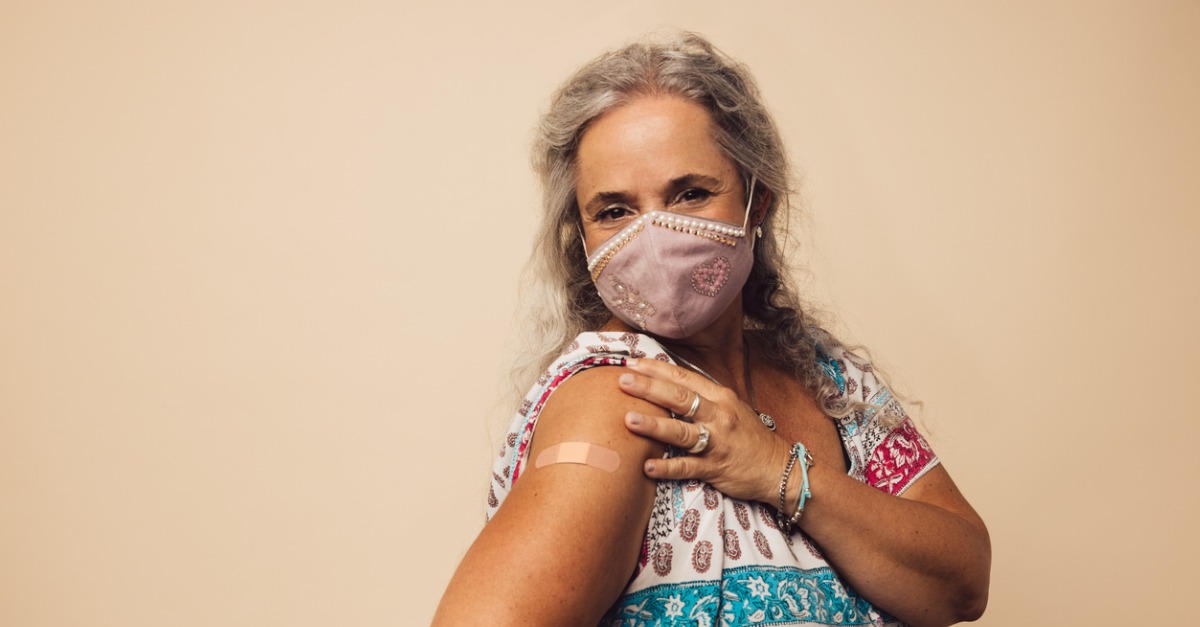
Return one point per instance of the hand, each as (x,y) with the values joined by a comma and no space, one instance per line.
(743,458)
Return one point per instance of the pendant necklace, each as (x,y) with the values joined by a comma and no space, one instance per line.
(767,420)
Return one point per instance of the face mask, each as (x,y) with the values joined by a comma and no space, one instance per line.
(672,275)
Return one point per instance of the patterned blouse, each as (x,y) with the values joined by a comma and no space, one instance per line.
(708,559)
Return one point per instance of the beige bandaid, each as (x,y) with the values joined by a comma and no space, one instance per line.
(584,453)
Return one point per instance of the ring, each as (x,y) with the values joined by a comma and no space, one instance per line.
(702,442)
(695,405)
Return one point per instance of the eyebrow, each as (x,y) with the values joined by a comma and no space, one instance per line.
(687,180)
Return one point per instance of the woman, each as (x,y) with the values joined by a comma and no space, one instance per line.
(704,453)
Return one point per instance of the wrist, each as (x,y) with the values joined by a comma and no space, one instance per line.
(794,490)
(769,487)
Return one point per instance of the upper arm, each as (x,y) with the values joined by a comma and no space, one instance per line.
(904,464)
(566,539)
(936,488)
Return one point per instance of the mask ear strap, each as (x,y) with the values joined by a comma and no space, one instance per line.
(749,203)
(582,240)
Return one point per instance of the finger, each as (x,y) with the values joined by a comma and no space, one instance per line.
(672,373)
(672,396)
(669,431)
(674,468)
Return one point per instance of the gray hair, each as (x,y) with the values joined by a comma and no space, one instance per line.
(558,296)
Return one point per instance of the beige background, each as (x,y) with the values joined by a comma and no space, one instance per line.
(258,259)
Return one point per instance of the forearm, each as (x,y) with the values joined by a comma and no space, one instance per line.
(919,561)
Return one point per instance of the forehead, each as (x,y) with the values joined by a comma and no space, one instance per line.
(646,142)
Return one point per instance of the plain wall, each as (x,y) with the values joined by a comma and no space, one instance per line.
(258,265)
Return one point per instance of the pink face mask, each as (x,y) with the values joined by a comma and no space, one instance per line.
(672,275)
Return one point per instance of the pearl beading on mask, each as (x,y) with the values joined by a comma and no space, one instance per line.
(715,231)
(723,233)
(600,258)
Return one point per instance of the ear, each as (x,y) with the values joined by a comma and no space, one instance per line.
(763,197)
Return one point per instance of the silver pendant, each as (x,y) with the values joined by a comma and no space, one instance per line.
(767,420)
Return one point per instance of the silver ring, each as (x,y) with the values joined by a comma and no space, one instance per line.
(701,443)
(695,405)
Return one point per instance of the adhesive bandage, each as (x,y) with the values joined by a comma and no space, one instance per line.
(584,453)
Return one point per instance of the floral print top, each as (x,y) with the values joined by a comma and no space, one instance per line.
(708,559)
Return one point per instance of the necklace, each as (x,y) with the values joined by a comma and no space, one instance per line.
(767,420)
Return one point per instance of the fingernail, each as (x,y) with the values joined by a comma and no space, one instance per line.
(650,466)
(631,362)
(626,379)
(635,419)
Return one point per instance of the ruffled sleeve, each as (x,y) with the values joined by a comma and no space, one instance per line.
(886,451)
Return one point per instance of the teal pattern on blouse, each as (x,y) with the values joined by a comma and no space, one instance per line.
(747,595)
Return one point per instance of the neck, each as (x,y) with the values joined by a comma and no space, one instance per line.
(719,350)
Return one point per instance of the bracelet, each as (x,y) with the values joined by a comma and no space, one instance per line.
(780,518)
(786,523)
(805,494)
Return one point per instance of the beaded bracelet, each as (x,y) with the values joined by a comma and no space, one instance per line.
(780,519)
(806,462)
(798,452)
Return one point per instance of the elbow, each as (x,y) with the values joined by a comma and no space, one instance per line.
(962,601)
(971,607)
(965,605)
(972,597)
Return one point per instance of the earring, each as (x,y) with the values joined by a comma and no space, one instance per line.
(758,231)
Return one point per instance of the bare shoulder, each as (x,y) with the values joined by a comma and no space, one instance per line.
(590,407)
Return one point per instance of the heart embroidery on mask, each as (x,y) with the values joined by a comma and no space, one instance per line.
(709,277)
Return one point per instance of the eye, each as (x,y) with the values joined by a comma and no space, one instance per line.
(693,195)
(612,213)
